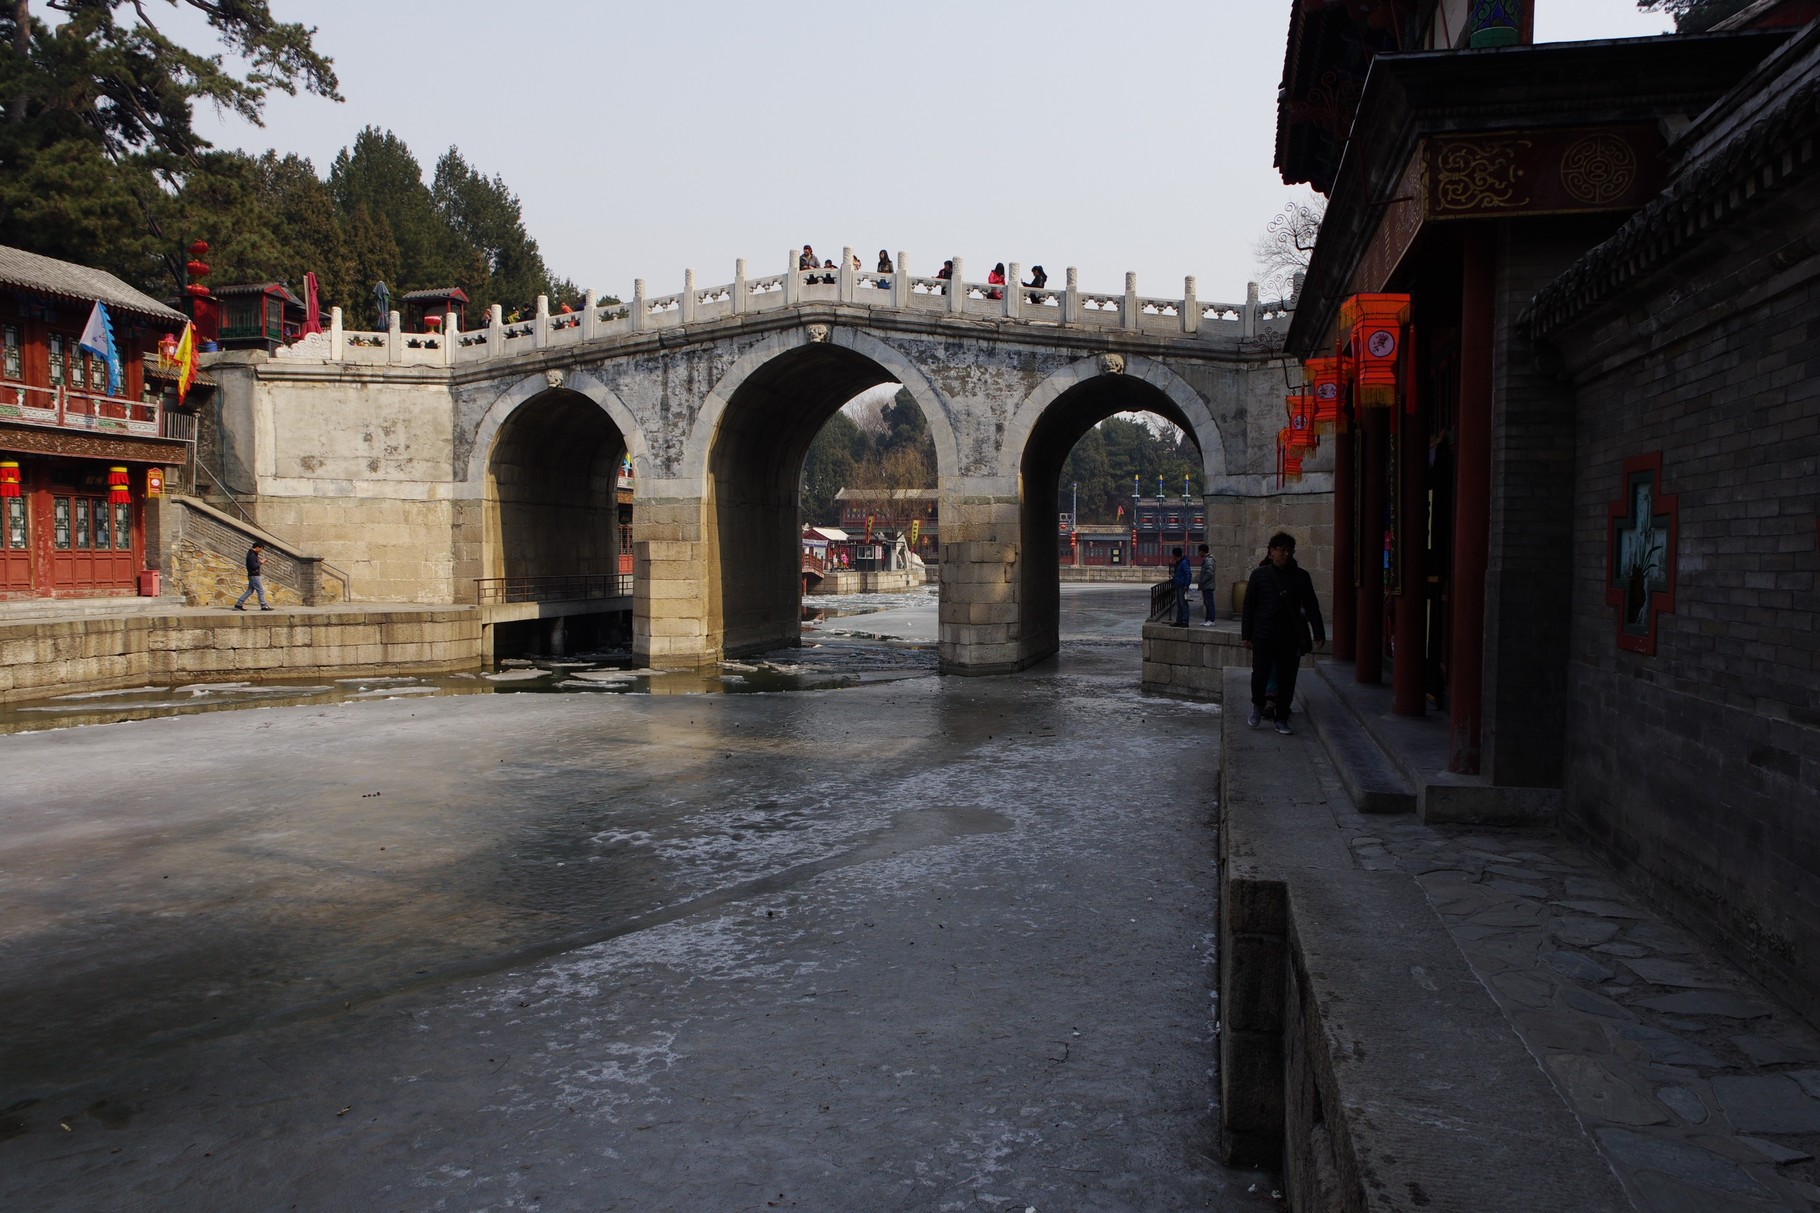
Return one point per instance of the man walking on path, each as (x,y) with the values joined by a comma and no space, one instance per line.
(1280,622)
(255,577)
(1205,580)
(1181,578)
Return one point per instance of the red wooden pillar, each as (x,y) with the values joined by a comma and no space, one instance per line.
(1373,432)
(1408,697)
(1472,507)
(1345,603)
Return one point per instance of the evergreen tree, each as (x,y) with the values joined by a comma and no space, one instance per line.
(98,131)
(489,217)
(1694,16)
(829,468)
(380,174)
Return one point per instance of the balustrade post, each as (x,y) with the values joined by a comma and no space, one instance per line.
(845,275)
(688,296)
(590,315)
(1014,278)
(637,312)
(1191,307)
(793,281)
(739,287)
(900,281)
(338,338)
(1248,315)
(1128,310)
(1071,297)
(451,337)
(541,335)
(394,338)
(496,331)
(957,290)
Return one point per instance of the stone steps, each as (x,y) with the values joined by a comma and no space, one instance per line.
(1370,776)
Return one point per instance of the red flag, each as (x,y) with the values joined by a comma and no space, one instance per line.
(312,307)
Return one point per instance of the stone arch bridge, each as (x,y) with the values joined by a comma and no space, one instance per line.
(421,462)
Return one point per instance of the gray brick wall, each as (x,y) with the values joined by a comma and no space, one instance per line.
(1697,769)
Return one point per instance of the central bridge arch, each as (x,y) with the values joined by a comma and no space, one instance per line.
(762,418)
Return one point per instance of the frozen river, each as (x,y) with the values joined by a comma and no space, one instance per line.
(919,942)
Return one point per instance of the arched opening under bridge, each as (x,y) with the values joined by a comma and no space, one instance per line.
(1067,420)
(553,530)
(755,476)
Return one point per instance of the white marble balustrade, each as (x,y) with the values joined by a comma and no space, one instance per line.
(900,290)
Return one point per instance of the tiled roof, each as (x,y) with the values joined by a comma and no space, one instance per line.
(53,277)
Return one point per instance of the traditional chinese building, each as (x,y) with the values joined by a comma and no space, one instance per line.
(1563,304)
(1146,532)
(915,512)
(81,444)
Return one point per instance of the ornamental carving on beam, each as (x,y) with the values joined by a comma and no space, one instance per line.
(1598,169)
(1481,175)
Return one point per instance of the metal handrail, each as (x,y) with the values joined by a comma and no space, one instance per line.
(577,587)
(1162,601)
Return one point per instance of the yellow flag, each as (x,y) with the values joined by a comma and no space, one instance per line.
(186,361)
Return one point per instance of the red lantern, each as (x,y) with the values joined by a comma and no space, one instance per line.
(198,269)
(199,289)
(118,490)
(199,248)
(9,480)
(1324,386)
(1373,327)
(1301,431)
(1289,456)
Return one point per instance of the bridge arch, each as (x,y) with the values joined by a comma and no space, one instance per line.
(1171,398)
(581,383)
(1045,427)
(543,479)
(749,444)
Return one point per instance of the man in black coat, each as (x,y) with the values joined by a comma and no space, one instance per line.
(1281,621)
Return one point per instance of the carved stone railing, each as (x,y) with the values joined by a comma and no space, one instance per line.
(898,290)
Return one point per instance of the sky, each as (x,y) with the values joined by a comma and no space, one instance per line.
(644,138)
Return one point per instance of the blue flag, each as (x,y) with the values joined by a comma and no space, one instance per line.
(98,338)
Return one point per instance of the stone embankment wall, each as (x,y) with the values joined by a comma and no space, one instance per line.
(39,659)
(1191,662)
(860,581)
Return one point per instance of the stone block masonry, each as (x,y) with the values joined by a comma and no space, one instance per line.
(40,659)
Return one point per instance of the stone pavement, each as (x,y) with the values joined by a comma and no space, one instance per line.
(1702,1091)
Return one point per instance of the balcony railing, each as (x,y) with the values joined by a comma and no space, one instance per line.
(579,588)
(73,409)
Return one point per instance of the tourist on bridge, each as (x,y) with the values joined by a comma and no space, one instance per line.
(996,278)
(1181,578)
(1280,623)
(255,577)
(1038,278)
(946,273)
(884,267)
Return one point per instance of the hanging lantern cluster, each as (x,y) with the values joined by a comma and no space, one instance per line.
(9,480)
(119,492)
(1372,328)
(197,269)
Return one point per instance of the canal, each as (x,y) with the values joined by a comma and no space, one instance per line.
(875,938)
